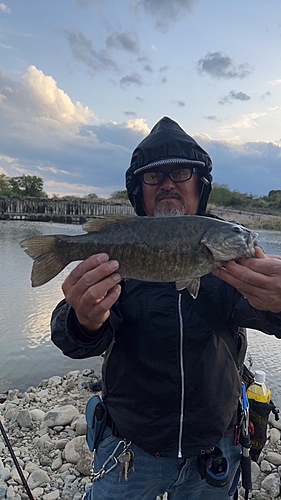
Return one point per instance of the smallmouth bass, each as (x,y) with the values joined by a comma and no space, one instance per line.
(159,249)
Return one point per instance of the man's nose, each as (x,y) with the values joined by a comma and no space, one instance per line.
(167,184)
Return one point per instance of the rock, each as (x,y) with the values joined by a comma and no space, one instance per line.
(273,422)
(54,495)
(74,449)
(272,485)
(3,491)
(55,381)
(38,478)
(5,474)
(57,463)
(81,426)
(16,477)
(265,466)
(274,435)
(273,457)
(60,415)
(24,419)
(69,492)
(37,415)
(255,471)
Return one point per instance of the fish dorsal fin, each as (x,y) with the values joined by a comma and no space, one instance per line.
(95,225)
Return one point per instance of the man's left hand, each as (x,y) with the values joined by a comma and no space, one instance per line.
(258,279)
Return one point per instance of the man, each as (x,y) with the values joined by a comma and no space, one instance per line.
(170,380)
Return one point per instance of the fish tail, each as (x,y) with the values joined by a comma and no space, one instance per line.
(48,262)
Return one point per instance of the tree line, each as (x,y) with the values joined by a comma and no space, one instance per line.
(221,195)
(23,185)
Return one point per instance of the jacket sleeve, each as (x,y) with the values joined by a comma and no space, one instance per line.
(227,304)
(247,316)
(74,340)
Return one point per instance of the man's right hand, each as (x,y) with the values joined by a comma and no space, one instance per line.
(92,289)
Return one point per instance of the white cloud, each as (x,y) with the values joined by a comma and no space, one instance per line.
(36,102)
(4,8)
(239,130)
(65,188)
(52,102)
(138,125)
(275,82)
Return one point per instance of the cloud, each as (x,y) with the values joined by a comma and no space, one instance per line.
(44,133)
(123,41)
(211,118)
(130,113)
(265,95)
(180,104)
(133,79)
(37,98)
(166,12)
(4,8)
(233,95)
(82,50)
(148,68)
(251,125)
(275,82)
(252,167)
(219,65)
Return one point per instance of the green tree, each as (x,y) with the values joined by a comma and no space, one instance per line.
(27,185)
(5,185)
(91,197)
(119,195)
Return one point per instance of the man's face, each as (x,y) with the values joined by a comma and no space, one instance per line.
(171,198)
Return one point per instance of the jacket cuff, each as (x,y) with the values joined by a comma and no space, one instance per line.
(79,332)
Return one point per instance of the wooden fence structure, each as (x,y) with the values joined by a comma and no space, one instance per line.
(56,210)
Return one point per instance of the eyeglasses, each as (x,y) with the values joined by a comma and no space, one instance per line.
(155,177)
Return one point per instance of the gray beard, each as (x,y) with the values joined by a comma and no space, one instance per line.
(168,210)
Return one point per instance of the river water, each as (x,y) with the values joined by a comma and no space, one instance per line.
(27,354)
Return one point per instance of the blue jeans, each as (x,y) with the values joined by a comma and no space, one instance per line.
(154,476)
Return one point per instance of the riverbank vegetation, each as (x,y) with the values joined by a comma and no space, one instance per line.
(222,196)
(243,207)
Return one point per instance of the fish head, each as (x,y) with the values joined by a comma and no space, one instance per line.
(229,241)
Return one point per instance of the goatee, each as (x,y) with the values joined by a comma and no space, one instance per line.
(168,210)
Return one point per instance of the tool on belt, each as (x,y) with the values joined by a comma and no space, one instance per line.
(96,417)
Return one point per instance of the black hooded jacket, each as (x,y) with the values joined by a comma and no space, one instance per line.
(170,382)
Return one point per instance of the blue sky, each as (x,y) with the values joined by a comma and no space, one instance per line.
(83,81)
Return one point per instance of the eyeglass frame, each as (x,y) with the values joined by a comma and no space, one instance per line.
(168,174)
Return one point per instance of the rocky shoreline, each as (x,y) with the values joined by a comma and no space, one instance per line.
(46,427)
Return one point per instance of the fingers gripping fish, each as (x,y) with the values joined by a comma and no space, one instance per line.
(158,249)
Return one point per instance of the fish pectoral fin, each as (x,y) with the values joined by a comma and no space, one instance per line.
(192,285)
(96,225)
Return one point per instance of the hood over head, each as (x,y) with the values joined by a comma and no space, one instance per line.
(168,143)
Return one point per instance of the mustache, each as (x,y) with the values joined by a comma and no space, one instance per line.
(168,194)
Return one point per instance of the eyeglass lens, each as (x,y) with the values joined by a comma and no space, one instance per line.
(156,177)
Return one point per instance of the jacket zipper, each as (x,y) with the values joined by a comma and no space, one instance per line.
(182,377)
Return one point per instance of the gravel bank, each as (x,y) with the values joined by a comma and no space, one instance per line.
(46,427)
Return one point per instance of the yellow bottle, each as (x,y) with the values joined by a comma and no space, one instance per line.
(258,390)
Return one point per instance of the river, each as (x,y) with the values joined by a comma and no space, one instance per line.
(27,354)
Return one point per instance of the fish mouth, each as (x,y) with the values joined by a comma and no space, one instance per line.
(252,242)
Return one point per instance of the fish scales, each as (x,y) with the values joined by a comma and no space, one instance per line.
(180,249)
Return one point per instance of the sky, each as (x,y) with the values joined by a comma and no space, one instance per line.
(82,82)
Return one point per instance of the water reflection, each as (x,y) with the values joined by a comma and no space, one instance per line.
(27,354)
